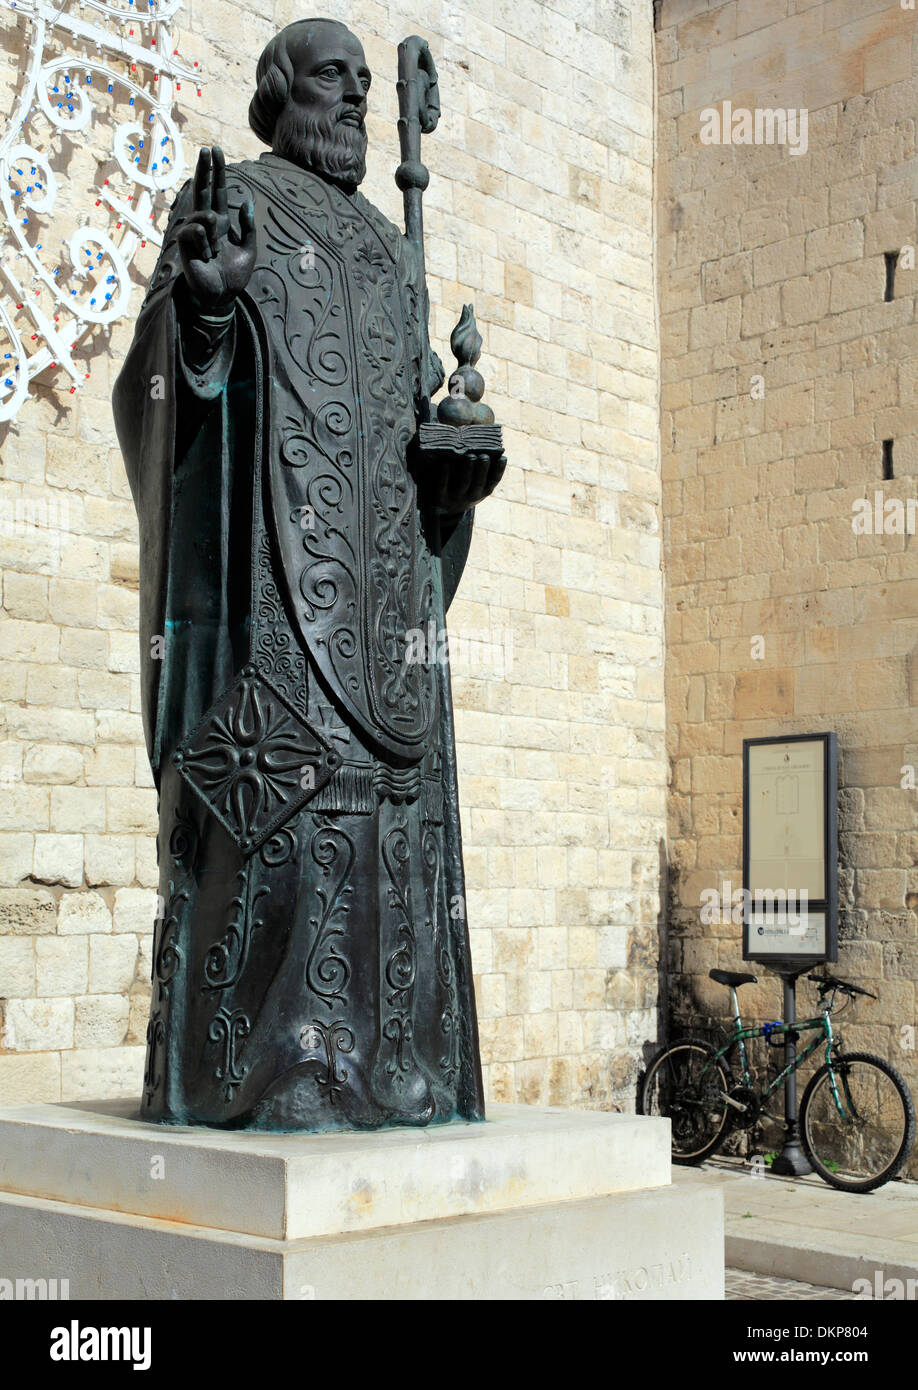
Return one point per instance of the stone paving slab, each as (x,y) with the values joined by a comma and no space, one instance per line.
(800,1229)
(741,1286)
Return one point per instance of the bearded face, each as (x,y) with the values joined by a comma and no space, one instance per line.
(332,143)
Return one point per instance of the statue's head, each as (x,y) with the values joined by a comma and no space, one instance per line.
(311,100)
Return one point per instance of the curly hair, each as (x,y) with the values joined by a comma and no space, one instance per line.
(274,76)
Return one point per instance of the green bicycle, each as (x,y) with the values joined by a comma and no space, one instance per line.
(857,1119)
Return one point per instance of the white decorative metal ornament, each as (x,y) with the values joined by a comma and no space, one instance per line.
(83,63)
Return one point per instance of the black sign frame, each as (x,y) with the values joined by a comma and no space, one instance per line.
(828,904)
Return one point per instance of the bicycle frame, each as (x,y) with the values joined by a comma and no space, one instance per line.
(823,1027)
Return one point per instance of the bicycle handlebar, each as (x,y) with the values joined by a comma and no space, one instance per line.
(827,982)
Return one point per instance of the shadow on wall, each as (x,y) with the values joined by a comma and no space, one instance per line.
(652,1045)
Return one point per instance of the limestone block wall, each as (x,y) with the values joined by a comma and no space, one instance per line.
(540,210)
(790,355)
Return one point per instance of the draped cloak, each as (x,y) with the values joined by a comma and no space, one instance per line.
(310,962)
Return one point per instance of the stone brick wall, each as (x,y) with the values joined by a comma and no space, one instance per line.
(540,210)
(773,266)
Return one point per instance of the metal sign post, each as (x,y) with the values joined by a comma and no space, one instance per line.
(791,1161)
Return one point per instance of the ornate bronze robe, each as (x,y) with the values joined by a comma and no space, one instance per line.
(311,966)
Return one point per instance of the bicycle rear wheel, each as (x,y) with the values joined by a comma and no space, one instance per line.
(867,1141)
(687,1083)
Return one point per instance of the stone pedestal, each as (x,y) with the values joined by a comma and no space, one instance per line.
(534,1203)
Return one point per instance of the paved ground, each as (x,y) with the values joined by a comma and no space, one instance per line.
(801,1230)
(755,1288)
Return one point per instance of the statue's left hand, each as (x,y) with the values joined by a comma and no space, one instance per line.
(464,481)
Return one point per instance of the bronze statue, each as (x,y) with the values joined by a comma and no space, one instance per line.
(302,514)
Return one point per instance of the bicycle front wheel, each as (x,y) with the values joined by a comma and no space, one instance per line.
(688,1084)
(857,1122)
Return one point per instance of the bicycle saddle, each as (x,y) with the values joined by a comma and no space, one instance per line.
(732,978)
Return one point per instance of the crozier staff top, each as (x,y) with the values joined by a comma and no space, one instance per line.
(419,113)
